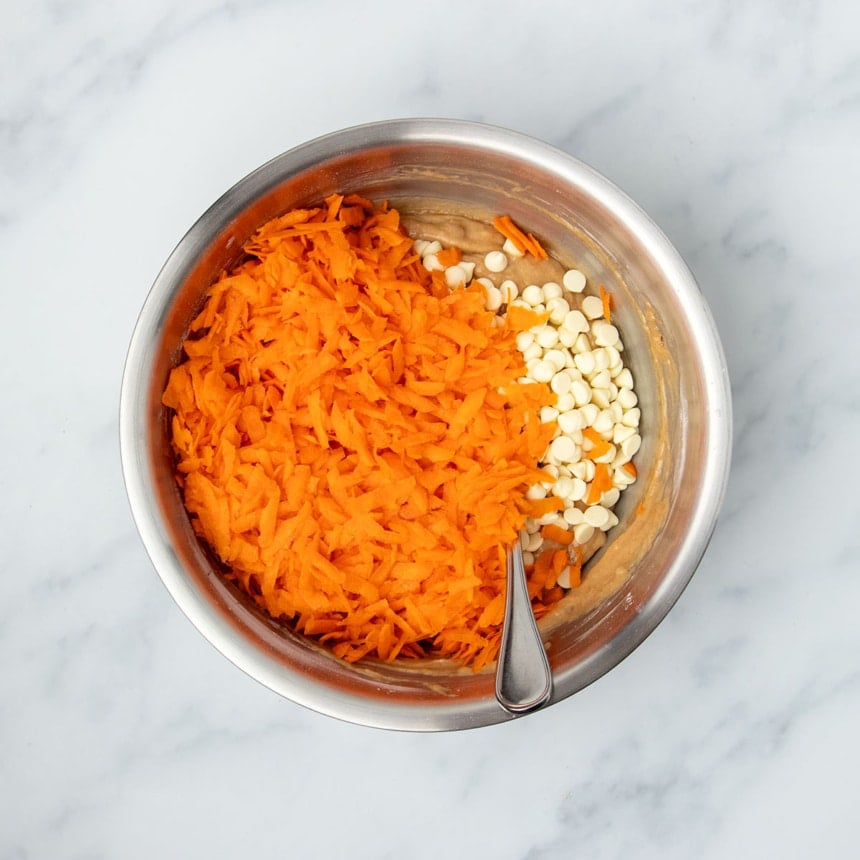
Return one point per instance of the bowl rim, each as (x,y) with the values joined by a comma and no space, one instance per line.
(492,139)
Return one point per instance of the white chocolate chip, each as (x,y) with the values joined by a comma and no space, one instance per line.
(630,418)
(562,449)
(600,396)
(592,307)
(542,371)
(524,340)
(563,487)
(624,379)
(571,421)
(578,470)
(510,291)
(552,290)
(575,321)
(495,261)
(556,357)
(536,491)
(627,398)
(610,498)
(533,350)
(583,533)
(622,478)
(596,515)
(582,343)
(558,309)
(581,392)
(546,336)
(493,297)
(431,263)
(601,379)
(601,358)
(548,413)
(566,337)
(607,457)
(584,362)
(604,333)
(604,423)
(511,250)
(565,402)
(456,276)
(574,281)
(560,383)
(535,542)
(573,515)
(631,445)
(589,413)
(533,294)
(620,432)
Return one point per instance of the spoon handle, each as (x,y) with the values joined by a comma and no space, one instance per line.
(523,676)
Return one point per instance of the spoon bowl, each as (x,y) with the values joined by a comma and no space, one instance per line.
(523,674)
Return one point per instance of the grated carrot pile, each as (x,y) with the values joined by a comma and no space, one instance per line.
(352,441)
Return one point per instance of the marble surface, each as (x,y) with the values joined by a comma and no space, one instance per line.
(731,731)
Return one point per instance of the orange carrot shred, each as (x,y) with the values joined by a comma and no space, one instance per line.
(525,243)
(606,298)
(352,441)
(449,256)
(538,507)
(551,531)
(600,484)
(519,318)
(599,445)
(536,249)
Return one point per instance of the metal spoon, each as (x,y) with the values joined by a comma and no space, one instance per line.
(523,676)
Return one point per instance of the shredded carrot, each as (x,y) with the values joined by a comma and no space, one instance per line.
(600,484)
(525,243)
(559,561)
(606,298)
(548,566)
(551,531)
(538,507)
(352,441)
(449,256)
(599,445)
(553,595)
(543,567)
(519,318)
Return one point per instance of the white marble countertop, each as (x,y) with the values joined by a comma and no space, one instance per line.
(731,732)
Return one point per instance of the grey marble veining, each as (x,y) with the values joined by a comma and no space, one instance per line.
(731,731)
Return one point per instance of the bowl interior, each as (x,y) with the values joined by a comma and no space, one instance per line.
(671,347)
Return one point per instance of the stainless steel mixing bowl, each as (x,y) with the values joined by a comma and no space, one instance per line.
(672,348)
